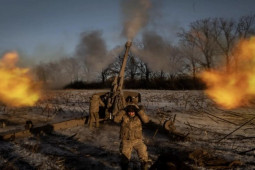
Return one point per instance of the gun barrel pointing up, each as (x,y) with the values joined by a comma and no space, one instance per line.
(124,63)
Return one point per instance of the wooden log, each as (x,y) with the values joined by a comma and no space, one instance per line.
(37,130)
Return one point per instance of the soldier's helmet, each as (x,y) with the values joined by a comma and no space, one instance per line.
(131,108)
(132,100)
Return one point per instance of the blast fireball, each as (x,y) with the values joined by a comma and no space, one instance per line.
(16,86)
(235,87)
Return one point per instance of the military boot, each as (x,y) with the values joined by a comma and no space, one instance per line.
(124,163)
(144,166)
(124,166)
(90,125)
(97,124)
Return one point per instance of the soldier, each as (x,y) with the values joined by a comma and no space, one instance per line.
(95,103)
(131,118)
(131,100)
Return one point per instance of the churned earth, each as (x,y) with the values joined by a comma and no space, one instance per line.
(203,127)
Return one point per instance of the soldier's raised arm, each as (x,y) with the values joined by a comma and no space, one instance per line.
(143,116)
(101,103)
(119,115)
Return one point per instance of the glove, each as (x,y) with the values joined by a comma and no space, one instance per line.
(141,107)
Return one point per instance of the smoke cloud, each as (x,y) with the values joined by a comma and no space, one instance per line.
(135,16)
(90,59)
(92,50)
(157,53)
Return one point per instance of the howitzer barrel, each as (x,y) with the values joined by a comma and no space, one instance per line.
(116,99)
(124,63)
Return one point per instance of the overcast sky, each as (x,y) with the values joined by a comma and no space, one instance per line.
(47,28)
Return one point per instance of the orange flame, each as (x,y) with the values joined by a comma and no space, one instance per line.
(16,87)
(235,87)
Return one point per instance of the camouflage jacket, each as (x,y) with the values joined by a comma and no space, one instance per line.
(95,104)
(131,127)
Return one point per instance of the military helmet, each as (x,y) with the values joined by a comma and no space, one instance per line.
(131,108)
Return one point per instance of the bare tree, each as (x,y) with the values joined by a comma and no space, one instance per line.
(116,65)
(176,62)
(246,26)
(200,36)
(71,68)
(105,74)
(132,68)
(144,70)
(192,58)
(225,34)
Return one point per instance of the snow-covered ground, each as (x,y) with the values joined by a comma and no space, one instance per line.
(205,124)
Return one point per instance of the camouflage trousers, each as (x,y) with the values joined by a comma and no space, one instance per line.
(94,118)
(138,145)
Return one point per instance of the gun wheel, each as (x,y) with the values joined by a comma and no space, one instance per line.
(169,125)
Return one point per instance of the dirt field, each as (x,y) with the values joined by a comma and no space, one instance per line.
(202,142)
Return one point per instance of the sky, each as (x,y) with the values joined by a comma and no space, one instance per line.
(47,29)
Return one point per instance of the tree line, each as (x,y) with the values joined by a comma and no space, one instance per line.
(204,45)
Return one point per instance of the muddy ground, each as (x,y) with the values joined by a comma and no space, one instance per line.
(208,137)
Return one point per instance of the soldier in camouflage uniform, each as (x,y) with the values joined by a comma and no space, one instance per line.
(95,103)
(131,119)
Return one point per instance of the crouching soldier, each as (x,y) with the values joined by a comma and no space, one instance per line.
(131,119)
(95,103)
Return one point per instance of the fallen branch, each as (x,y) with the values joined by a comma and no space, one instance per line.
(244,152)
(213,119)
(236,129)
(202,129)
(191,126)
(231,113)
(243,138)
(224,120)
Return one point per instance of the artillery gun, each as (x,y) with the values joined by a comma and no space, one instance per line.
(114,100)
(117,98)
